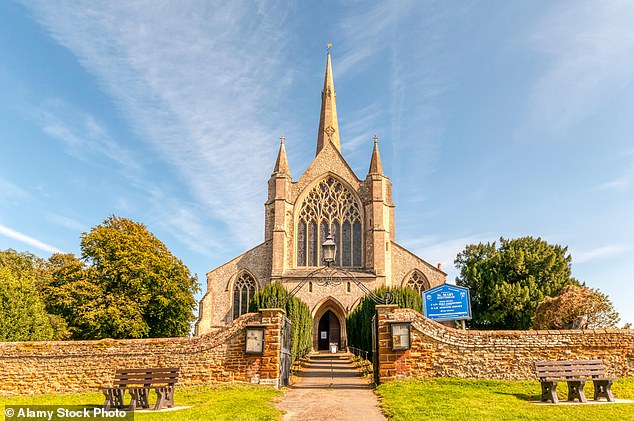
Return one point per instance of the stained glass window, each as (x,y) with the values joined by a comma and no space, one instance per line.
(331,207)
(418,281)
(243,291)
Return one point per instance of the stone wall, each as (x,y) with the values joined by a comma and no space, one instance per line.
(79,366)
(440,351)
(404,262)
(215,308)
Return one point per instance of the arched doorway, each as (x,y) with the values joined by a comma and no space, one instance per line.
(329,324)
(329,331)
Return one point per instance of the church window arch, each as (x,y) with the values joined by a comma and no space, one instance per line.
(243,290)
(417,281)
(329,207)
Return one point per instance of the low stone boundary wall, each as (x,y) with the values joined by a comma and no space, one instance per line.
(80,366)
(440,351)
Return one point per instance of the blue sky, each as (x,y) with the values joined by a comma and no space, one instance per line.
(494,118)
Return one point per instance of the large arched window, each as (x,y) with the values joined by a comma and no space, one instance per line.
(329,207)
(417,281)
(243,291)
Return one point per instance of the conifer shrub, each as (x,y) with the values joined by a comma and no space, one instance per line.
(359,321)
(274,295)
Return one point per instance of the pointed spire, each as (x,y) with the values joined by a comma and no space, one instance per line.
(281,165)
(375,161)
(328,124)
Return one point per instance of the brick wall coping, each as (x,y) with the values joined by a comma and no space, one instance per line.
(127,347)
(486,338)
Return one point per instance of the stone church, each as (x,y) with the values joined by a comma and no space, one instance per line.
(328,198)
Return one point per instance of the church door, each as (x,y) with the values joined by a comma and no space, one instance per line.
(329,331)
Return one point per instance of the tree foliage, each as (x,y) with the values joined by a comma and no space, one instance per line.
(132,286)
(128,285)
(576,307)
(508,282)
(297,311)
(359,321)
(22,313)
(73,295)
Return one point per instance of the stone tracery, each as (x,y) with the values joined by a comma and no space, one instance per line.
(329,207)
(243,291)
(417,281)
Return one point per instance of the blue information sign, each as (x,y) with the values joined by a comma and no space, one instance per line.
(447,302)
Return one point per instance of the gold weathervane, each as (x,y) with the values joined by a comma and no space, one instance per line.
(329,46)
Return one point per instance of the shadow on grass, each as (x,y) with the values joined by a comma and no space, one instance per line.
(521,396)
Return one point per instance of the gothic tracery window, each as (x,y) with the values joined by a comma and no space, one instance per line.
(329,207)
(243,291)
(417,281)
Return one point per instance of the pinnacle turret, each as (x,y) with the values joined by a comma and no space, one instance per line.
(375,161)
(281,164)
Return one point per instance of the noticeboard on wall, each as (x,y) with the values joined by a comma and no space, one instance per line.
(401,336)
(254,340)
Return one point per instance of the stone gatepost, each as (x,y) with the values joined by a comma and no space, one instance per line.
(393,364)
(270,367)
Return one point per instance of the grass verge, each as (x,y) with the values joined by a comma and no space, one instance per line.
(222,402)
(462,399)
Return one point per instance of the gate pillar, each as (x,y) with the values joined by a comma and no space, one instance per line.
(385,363)
(271,366)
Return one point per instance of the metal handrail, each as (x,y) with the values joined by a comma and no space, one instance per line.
(361,353)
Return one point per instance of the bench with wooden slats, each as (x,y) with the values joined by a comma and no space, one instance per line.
(575,373)
(138,382)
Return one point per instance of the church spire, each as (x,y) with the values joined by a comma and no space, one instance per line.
(281,165)
(375,161)
(328,124)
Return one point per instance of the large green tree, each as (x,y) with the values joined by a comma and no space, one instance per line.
(22,313)
(127,285)
(134,287)
(508,282)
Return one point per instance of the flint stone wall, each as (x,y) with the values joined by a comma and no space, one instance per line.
(440,351)
(81,366)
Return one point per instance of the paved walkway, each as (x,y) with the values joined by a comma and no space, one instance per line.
(331,388)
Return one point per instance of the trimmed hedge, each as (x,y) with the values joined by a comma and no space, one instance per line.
(359,321)
(274,295)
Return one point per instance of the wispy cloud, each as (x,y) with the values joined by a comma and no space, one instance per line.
(196,82)
(183,221)
(83,136)
(602,252)
(436,250)
(591,51)
(8,232)
(357,129)
(66,222)
(622,183)
(367,33)
(416,77)
(10,191)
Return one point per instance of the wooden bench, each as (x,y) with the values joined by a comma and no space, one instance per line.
(139,382)
(575,373)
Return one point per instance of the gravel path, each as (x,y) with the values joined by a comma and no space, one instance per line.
(330,388)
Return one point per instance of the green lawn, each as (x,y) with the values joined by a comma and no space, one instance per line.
(419,399)
(460,399)
(223,402)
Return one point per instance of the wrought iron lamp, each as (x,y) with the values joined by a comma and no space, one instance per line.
(332,275)
(329,250)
